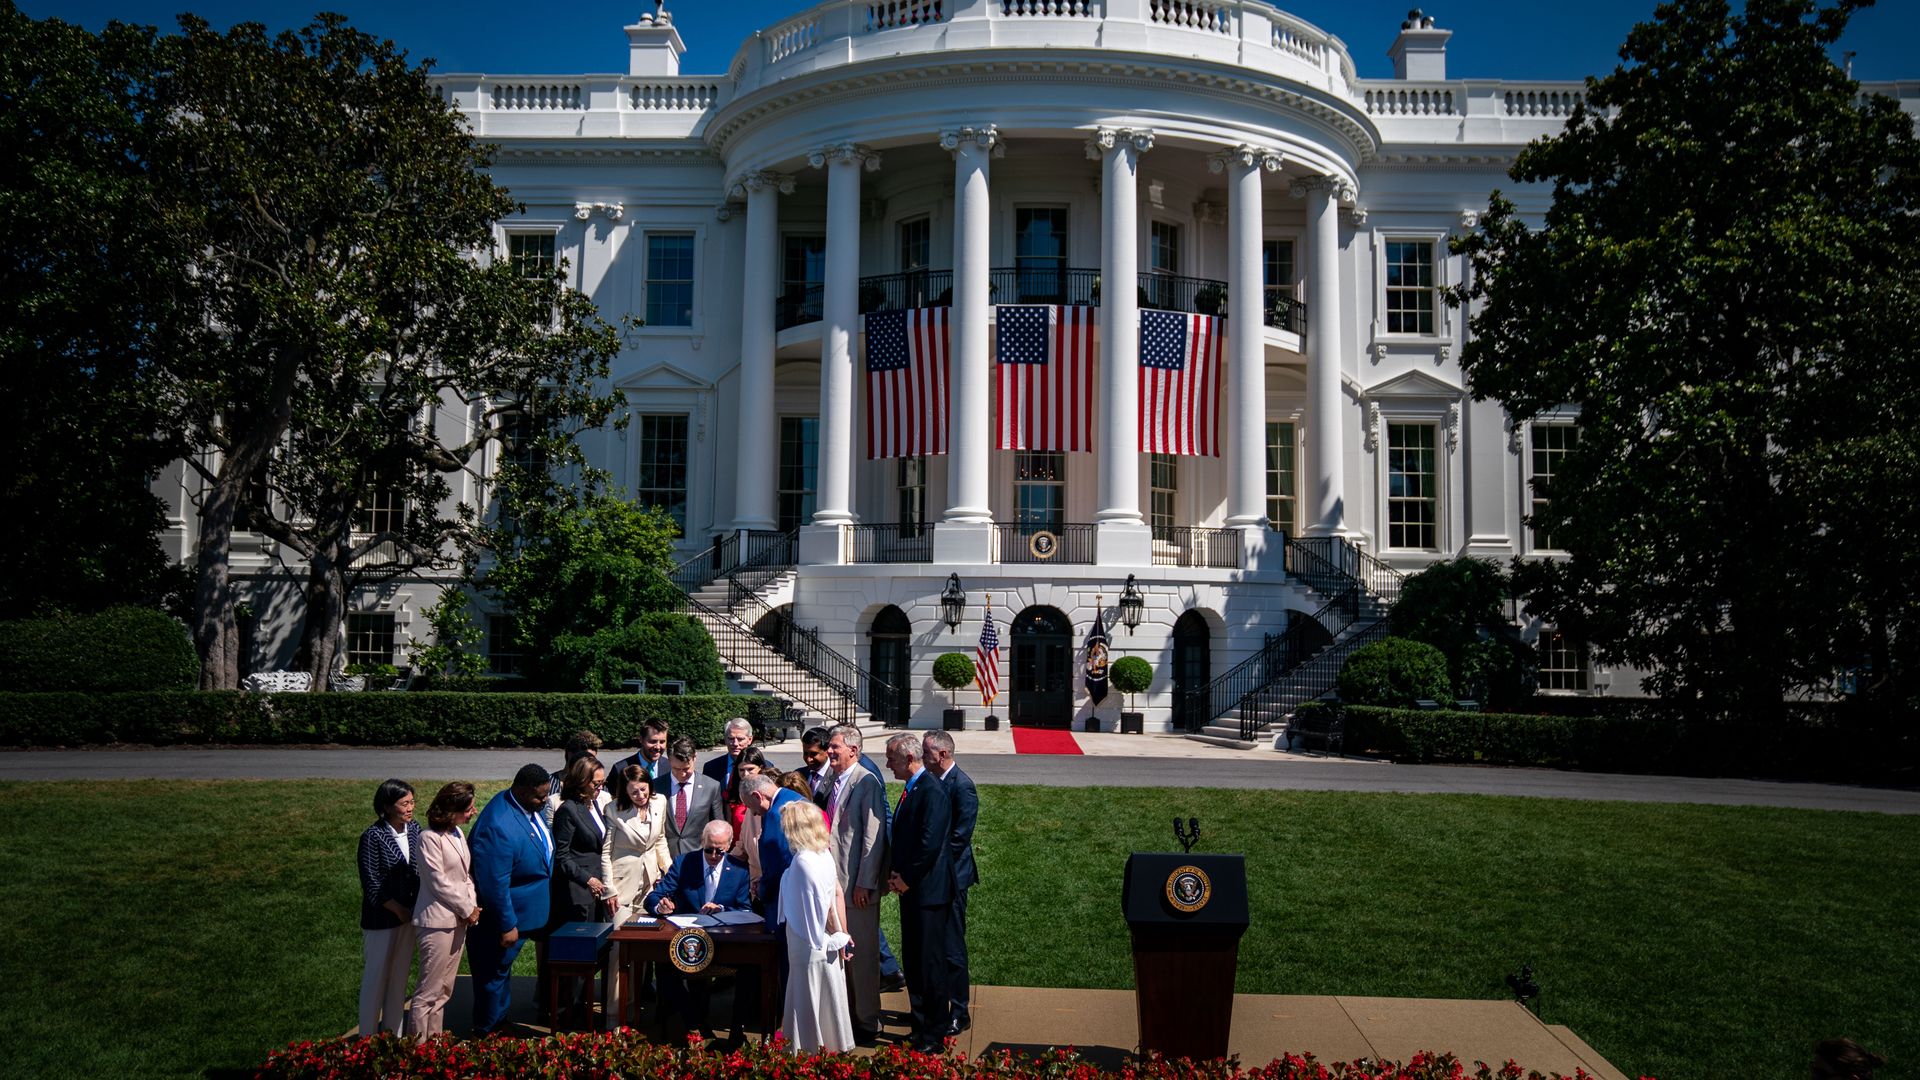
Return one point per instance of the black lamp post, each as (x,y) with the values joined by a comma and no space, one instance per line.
(1132,605)
(953,602)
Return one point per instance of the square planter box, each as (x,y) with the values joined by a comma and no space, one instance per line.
(1132,723)
(953,719)
(993,723)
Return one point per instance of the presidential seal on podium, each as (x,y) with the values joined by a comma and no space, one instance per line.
(691,950)
(1188,888)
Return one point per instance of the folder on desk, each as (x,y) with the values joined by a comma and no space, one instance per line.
(732,918)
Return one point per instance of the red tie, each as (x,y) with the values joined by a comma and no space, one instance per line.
(680,808)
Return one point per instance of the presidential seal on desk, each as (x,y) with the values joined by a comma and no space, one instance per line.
(691,950)
(1188,889)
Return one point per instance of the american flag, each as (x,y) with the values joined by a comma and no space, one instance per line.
(1181,366)
(907,383)
(1043,380)
(986,669)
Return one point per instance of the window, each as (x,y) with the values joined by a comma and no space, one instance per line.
(1163,262)
(1550,443)
(799,469)
(1410,287)
(913,497)
(254,502)
(1040,254)
(803,271)
(1563,663)
(662,478)
(916,243)
(503,645)
(1413,502)
(531,254)
(669,279)
(382,508)
(1040,490)
(1276,264)
(1283,493)
(1163,481)
(369,637)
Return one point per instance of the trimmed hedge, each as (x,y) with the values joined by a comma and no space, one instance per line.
(120,649)
(1815,741)
(366,719)
(1395,671)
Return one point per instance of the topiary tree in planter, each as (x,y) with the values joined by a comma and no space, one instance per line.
(951,671)
(1130,675)
(1395,672)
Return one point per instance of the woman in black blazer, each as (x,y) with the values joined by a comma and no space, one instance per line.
(389,885)
(579,848)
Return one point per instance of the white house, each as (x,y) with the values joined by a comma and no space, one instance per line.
(860,158)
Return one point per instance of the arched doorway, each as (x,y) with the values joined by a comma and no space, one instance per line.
(892,655)
(1192,671)
(1041,689)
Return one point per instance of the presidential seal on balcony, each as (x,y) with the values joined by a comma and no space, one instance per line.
(1188,888)
(691,950)
(1043,545)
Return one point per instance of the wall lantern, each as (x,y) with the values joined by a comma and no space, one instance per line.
(953,602)
(1132,605)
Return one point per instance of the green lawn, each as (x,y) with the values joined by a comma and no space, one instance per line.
(160,929)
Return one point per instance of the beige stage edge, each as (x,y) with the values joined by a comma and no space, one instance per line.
(1100,1024)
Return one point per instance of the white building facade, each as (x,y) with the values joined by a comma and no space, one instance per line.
(1221,157)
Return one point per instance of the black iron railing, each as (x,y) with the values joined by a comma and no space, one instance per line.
(1171,292)
(728,557)
(855,689)
(912,289)
(798,302)
(1177,545)
(891,543)
(738,643)
(1285,312)
(1329,564)
(1072,543)
(1309,680)
(1044,285)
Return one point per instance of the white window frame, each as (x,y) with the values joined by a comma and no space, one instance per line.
(563,255)
(1527,496)
(1587,672)
(642,234)
(639,415)
(1442,277)
(1439,497)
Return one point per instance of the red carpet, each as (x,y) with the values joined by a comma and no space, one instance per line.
(1027,740)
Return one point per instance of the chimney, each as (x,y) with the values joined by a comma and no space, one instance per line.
(1420,52)
(653,45)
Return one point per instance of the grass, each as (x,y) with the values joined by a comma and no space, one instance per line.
(163,929)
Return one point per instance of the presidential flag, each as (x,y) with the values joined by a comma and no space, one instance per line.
(1182,363)
(907,383)
(1096,658)
(1043,378)
(986,667)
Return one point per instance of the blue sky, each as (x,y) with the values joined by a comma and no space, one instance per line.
(1513,39)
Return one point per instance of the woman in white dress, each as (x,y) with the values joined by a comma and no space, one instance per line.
(815,1017)
(635,854)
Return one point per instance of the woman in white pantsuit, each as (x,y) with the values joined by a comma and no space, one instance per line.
(389,886)
(446,908)
(636,853)
(815,913)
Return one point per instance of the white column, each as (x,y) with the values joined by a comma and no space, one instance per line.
(1325,498)
(1246,335)
(754,490)
(1119,150)
(840,322)
(968,488)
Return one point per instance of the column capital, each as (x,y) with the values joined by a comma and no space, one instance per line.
(986,138)
(764,180)
(1104,139)
(1246,157)
(1339,189)
(845,153)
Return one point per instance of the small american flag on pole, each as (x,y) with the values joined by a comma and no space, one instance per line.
(1043,380)
(986,669)
(907,383)
(1182,362)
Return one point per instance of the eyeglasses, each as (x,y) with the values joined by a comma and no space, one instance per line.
(716,851)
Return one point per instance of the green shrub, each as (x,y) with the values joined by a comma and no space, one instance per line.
(656,646)
(1395,671)
(120,649)
(368,719)
(953,670)
(1130,675)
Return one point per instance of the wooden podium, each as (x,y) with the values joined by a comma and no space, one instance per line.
(1187,913)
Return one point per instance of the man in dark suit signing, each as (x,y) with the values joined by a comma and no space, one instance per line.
(923,879)
(703,881)
(938,746)
(693,800)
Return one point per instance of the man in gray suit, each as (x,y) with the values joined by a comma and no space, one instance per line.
(692,799)
(856,817)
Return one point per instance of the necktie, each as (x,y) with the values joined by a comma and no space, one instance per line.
(680,808)
(833,802)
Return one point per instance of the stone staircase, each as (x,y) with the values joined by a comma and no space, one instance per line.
(1271,706)
(755,667)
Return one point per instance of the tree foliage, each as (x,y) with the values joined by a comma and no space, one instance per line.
(450,661)
(1460,608)
(1394,672)
(1724,289)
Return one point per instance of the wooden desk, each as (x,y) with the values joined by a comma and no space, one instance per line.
(733,946)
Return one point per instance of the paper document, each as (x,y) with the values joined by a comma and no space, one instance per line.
(684,921)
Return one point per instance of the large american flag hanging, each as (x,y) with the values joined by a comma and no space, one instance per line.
(986,668)
(1043,378)
(907,383)
(1181,366)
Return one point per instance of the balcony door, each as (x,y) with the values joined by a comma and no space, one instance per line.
(1041,690)
(1039,256)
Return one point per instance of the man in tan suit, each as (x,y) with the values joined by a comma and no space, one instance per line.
(856,817)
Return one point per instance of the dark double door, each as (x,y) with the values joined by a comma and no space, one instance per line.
(1040,689)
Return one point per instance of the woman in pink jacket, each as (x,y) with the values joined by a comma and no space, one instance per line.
(446,906)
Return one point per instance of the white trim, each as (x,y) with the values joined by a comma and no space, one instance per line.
(696,319)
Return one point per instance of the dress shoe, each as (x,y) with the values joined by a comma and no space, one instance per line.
(863,1037)
(893,983)
(958,1024)
(929,1046)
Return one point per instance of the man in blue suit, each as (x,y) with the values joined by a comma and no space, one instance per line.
(512,863)
(923,879)
(938,746)
(701,883)
(766,798)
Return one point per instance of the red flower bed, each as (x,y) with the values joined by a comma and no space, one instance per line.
(628,1056)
